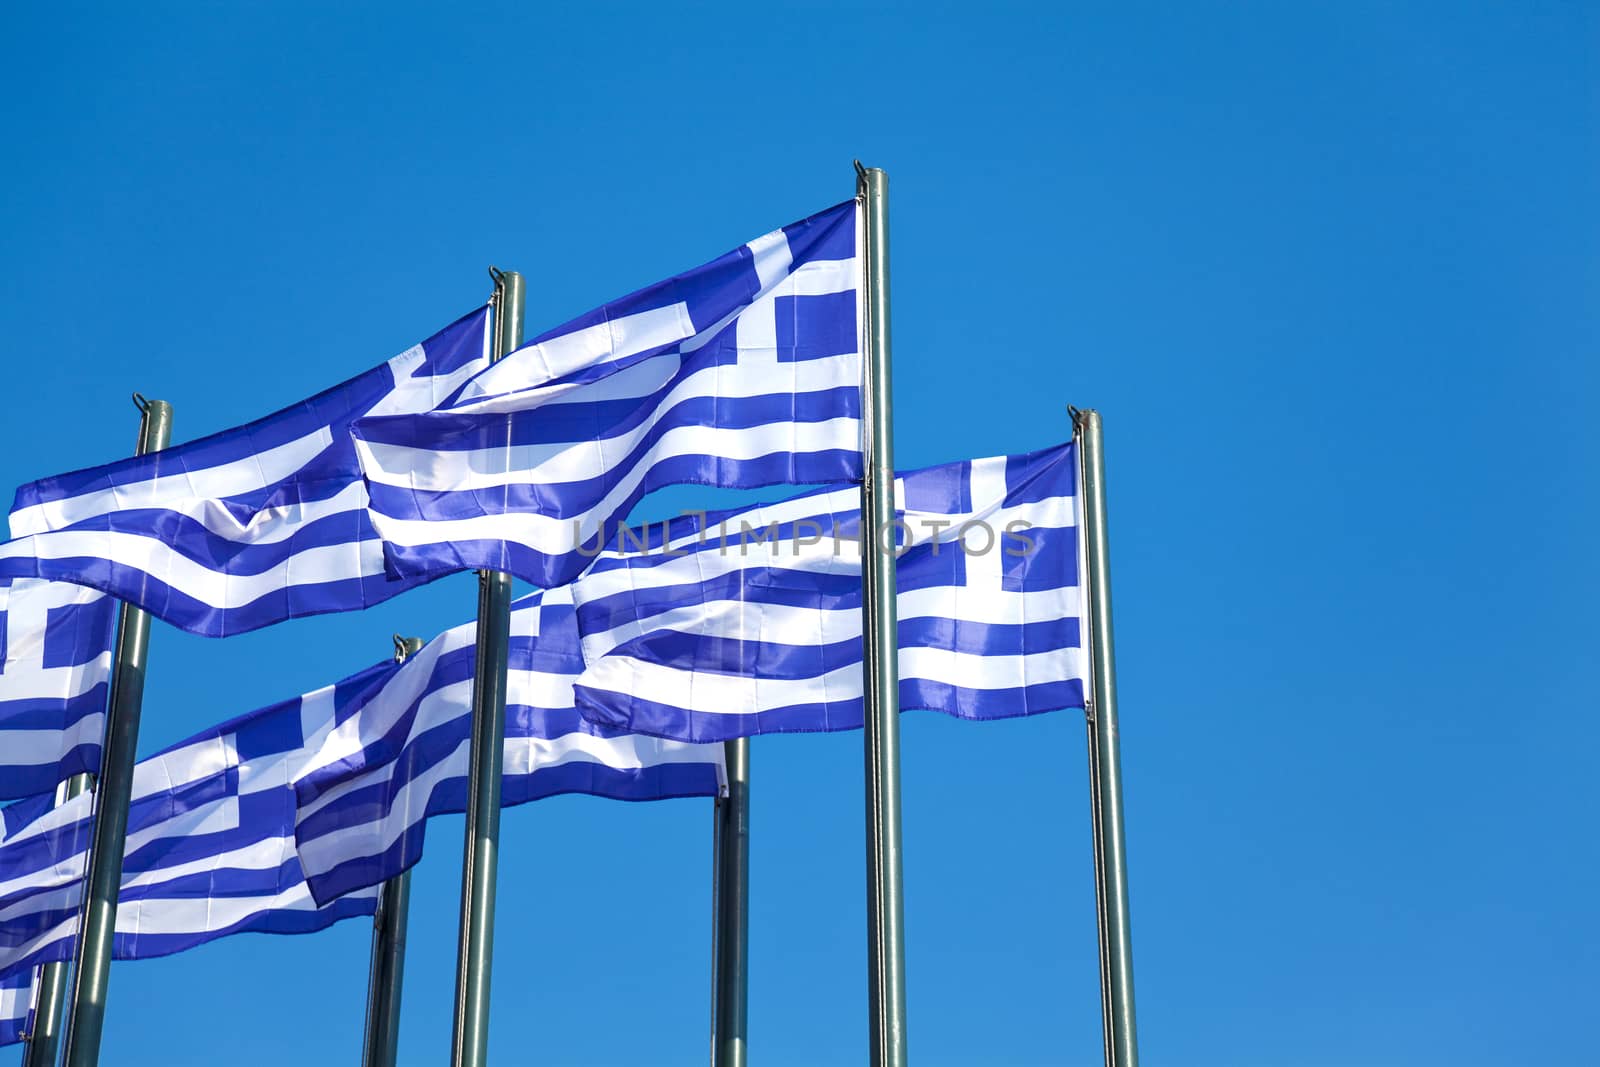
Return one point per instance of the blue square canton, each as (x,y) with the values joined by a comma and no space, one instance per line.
(815,327)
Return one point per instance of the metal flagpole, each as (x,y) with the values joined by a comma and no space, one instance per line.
(45,1037)
(381,1044)
(1105,759)
(98,920)
(730,1047)
(386,975)
(470,1044)
(1097,843)
(886,957)
(717,806)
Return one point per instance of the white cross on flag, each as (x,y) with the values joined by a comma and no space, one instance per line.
(55,670)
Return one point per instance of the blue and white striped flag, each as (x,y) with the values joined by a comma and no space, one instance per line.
(247,527)
(740,373)
(404,757)
(750,622)
(55,670)
(16,1005)
(210,844)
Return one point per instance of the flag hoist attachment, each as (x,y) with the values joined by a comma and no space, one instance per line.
(1105,758)
(470,1043)
(103,880)
(886,954)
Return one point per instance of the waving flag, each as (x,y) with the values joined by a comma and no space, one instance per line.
(55,669)
(247,527)
(210,845)
(404,757)
(16,1005)
(740,373)
(750,622)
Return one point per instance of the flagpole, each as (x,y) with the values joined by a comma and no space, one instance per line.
(98,918)
(45,1037)
(717,805)
(380,1044)
(1105,756)
(886,960)
(470,1044)
(730,1047)
(1097,843)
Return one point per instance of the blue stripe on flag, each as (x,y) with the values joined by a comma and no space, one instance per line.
(16,1005)
(55,669)
(210,840)
(708,642)
(403,758)
(247,527)
(741,373)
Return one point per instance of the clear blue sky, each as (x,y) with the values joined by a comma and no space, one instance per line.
(1329,270)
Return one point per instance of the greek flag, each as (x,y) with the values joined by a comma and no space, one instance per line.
(750,622)
(16,1006)
(55,670)
(247,527)
(740,373)
(382,773)
(210,844)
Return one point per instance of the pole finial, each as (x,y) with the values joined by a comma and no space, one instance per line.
(497,278)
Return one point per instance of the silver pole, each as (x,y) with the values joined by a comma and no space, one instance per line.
(470,1044)
(731,1047)
(717,816)
(45,1038)
(1097,839)
(98,921)
(886,959)
(381,1045)
(1105,761)
(386,974)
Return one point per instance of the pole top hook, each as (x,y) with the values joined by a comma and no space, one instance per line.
(861,172)
(496,274)
(140,402)
(405,647)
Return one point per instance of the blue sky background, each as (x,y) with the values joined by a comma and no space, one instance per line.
(1330,272)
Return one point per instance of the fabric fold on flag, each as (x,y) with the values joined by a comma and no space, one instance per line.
(749,622)
(210,843)
(366,797)
(16,1006)
(247,527)
(55,673)
(740,373)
